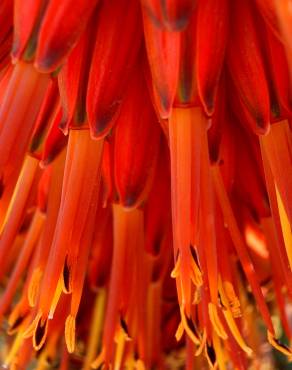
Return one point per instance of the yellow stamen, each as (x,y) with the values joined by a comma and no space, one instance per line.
(99,361)
(120,339)
(216,322)
(31,328)
(140,365)
(176,270)
(70,333)
(279,346)
(197,296)
(34,286)
(228,298)
(196,274)
(235,332)
(187,328)
(219,352)
(199,350)
(56,298)
(179,332)
(286,228)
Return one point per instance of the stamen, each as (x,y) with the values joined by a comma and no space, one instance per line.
(70,333)
(217,325)
(99,361)
(34,286)
(56,298)
(240,247)
(201,347)
(189,327)
(286,228)
(279,346)
(179,332)
(236,333)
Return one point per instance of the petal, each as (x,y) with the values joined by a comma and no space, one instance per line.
(212,29)
(27,15)
(136,142)
(246,65)
(61,27)
(73,80)
(118,41)
(268,11)
(163,49)
(281,102)
(157,208)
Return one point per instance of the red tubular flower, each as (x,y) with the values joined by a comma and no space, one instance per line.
(145,183)
(134,169)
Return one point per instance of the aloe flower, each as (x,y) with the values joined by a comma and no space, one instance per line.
(145,184)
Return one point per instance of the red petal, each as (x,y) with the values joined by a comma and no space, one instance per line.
(55,141)
(268,12)
(137,139)
(26,16)
(157,209)
(45,117)
(187,93)
(220,116)
(6,21)
(281,82)
(62,25)
(118,40)
(247,66)
(163,48)
(6,13)
(249,183)
(73,80)
(212,28)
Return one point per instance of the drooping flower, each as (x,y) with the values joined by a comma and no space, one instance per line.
(145,184)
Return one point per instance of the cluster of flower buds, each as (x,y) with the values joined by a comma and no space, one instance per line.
(145,184)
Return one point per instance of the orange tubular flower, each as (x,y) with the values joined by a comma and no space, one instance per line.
(145,184)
